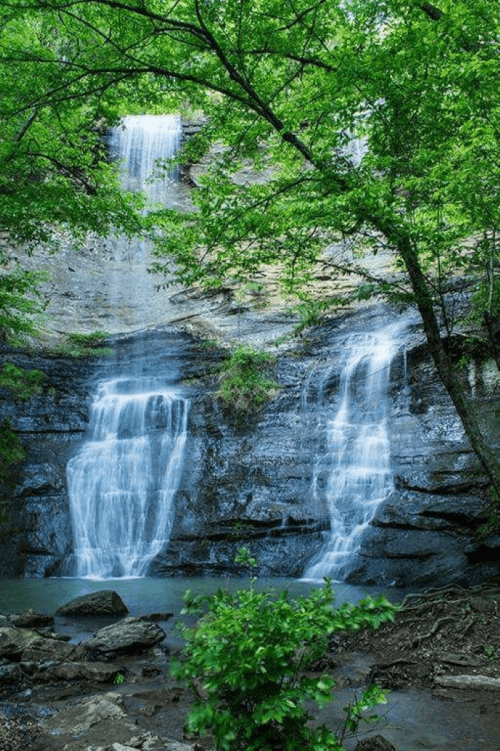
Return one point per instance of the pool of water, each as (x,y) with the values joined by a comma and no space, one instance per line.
(147,595)
(142,596)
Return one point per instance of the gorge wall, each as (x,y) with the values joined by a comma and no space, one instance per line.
(249,484)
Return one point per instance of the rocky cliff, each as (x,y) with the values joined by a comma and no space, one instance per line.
(249,483)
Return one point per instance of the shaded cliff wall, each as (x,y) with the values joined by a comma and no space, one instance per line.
(250,484)
(256,488)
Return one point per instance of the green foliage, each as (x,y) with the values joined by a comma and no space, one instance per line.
(21,305)
(325,122)
(11,451)
(54,171)
(23,384)
(490,652)
(355,712)
(86,345)
(248,659)
(245,385)
(493,521)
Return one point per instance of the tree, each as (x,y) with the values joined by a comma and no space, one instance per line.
(55,177)
(288,86)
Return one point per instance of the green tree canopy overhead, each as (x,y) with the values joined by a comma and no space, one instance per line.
(288,86)
(55,178)
(53,168)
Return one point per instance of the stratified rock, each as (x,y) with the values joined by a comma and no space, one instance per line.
(128,635)
(103,602)
(101,672)
(249,484)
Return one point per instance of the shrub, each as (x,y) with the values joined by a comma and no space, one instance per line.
(86,345)
(245,384)
(23,384)
(246,661)
(11,451)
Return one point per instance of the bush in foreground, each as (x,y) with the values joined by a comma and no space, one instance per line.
(247,658)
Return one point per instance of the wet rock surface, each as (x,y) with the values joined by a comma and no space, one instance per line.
(249,483)
(64,699)
(127,636)
(103,602)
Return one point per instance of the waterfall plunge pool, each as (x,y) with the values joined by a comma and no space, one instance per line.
(146,595)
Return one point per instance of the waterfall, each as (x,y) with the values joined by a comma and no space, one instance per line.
(143,144)
(353,474)
(122,483)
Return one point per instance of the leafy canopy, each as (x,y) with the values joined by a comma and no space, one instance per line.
(414,83)
(54,172)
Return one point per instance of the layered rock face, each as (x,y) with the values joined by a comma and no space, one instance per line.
(249,483)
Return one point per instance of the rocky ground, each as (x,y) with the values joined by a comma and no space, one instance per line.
(114,693)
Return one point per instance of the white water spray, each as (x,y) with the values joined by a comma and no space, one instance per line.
(144,144)
(355,468)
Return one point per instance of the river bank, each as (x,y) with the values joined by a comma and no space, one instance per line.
(440,659)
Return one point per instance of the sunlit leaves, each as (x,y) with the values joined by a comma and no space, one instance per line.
(284,88)
(250,654)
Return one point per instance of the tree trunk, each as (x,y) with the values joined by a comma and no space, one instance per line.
(444,365)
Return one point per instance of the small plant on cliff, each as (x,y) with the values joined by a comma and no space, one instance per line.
(21,303)
(22,384)
(11,451)
(84,345)
(245,383)
(247,661)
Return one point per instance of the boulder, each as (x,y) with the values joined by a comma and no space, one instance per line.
(27,645)
(79,718)
(128,635)
(30,619)
(100,672)
(13,641)
(103,602)
(53,650)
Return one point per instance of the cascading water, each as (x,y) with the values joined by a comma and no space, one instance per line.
(123,481)
(143,144)
(354,471)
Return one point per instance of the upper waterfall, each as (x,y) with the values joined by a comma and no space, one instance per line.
(144,144)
